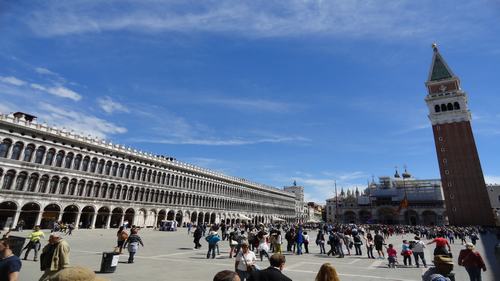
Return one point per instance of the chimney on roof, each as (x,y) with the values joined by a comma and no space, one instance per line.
(27,117)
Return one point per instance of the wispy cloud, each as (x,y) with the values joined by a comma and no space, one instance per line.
(268,18)
(109,105)
(56,90)
(45,71)
(211,141)
(81,122)
(12,80)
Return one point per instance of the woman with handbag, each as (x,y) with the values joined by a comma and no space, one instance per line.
(245,262)
(121,236)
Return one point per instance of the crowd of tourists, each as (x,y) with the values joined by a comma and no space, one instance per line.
(247,243)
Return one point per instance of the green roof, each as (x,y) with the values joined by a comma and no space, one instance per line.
(439,70)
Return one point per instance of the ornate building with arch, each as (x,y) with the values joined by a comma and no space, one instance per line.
(49,174)
(381,202)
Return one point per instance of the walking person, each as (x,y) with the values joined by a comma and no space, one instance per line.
(406,252)
(121,237)
(441,246)
(472,261)
(418,251)
(369,245)
(54,257)
(245,260)
(299,240)
(357,244)
(34,243)
(71,227)
(320,241)
(263,247)
(10,264)
(274,272)
(379,241)
(132,244)
(198,233)
(213,238)
(306,242)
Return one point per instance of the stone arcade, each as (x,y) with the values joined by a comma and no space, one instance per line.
(48,174)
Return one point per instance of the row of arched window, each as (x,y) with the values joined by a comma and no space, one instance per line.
(46,184)
(447,107)
(85,163)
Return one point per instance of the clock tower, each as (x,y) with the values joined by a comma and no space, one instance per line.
(466,197)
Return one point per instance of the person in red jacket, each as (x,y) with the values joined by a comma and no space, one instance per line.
(472,261)
(441,245)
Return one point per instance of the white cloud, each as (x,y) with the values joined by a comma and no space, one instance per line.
(81,122)
(110,106)
(491,179)
(267,18)
(64,92)
(45,71)
(211,141)
(12,80)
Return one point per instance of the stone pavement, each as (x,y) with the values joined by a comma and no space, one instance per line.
(170,256)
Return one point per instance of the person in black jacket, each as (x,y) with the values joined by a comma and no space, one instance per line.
(272,273)
(198,233)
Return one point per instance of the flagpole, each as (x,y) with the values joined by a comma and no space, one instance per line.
(336,202)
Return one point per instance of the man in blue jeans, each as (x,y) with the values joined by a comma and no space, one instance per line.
(418,251)
(299,239)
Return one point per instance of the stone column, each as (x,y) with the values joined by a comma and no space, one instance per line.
(122,219)
(38,218)
(16,219)
(94,218)
(60,216)
(77,222)
(108,221)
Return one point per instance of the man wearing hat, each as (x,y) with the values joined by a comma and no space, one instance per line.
(441,271)
(472,261)
(55,257)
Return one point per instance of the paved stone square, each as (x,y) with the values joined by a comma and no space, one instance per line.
(170,256)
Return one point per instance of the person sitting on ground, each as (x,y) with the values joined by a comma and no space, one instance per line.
(272,273)
(327,273)
(226,275)
(441,271)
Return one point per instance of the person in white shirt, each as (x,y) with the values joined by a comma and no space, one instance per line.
(418,251)
(245,261)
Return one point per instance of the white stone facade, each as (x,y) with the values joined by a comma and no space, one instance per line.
(380,203)
(47,174)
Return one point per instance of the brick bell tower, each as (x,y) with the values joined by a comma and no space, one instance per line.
(466,197)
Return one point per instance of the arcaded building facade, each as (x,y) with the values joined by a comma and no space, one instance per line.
(48,174)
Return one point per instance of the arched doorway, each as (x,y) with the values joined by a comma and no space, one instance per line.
(429,217)
(29,214)
(349,217)
(200,218)
(171,215)
(129,216)
(207,218)
(141,218)
(178,218)
(411,217)
(116,218)
(194,215)
(7,213)
(365,216)
(162,215)
(50,215)
(88,213)
(212,218)
(102,217)
(387,216)
(70,214)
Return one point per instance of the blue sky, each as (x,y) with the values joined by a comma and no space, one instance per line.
(272,91)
